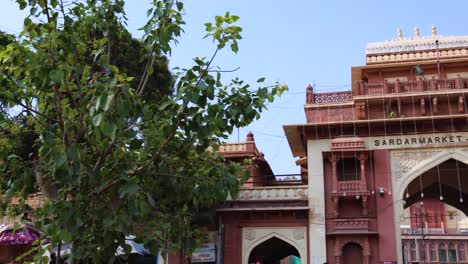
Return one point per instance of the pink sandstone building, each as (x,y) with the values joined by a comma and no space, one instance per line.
(384,168)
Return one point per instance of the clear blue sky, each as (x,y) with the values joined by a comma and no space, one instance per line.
(294,42)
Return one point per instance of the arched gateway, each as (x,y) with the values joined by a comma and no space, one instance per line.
(272,251)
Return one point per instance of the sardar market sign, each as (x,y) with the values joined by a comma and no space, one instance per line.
(411,141)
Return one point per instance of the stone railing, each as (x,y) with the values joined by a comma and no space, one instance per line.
(346,186)
(332,97)
(434,231)
(412,86)
(233,147)
(273,193)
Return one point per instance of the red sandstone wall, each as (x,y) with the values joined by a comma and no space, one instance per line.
(385,216)
(330,113)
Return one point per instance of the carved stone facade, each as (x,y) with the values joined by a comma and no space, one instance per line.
(403,161)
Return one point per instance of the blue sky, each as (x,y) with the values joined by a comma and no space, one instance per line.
(294,42)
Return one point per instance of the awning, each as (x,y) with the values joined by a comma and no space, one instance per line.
(21,236)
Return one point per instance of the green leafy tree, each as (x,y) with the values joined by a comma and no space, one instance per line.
(120,148)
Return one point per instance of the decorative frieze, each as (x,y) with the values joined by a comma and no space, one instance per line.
(273,193)
(233,147)
(351,224)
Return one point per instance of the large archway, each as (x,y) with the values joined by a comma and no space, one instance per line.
(427,232)
(272,251)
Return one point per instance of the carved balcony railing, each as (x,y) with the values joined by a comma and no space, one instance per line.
(275,180)
(412,86)
(434,231)
(332,97)
(348,186)
(273,193)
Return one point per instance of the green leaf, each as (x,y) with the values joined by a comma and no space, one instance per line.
(109,130)
(180,6)
(108,101)
(148,13)
(219,20)
(150,200)
(234,47)
(33,11)
(65,236)
(72,153)
(97,119)
(12,156)
(261,80)
(56,76)
(128,189)
(60,160)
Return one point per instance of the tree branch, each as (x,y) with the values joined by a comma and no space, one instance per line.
(225,70)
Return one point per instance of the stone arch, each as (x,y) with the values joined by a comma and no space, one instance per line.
(353,250)
(268,236)
(351,241)
(429,159)
(362,242)
(426,165)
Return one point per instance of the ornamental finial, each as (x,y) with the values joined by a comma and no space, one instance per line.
(434,31)
(399,33)
(416,32)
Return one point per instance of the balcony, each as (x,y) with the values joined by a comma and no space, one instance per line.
(275,180)
(409,87)
(331,97)
(433,232)
(349,186)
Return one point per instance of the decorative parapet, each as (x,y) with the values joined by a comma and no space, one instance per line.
(273,193)
(241,146)
(417,48)
(332,97)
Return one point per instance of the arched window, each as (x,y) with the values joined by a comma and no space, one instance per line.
(461,251)
(405,251)
(452,253)
(422,250)
(432,251)
(348,169)
(413,251)
(442,252)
